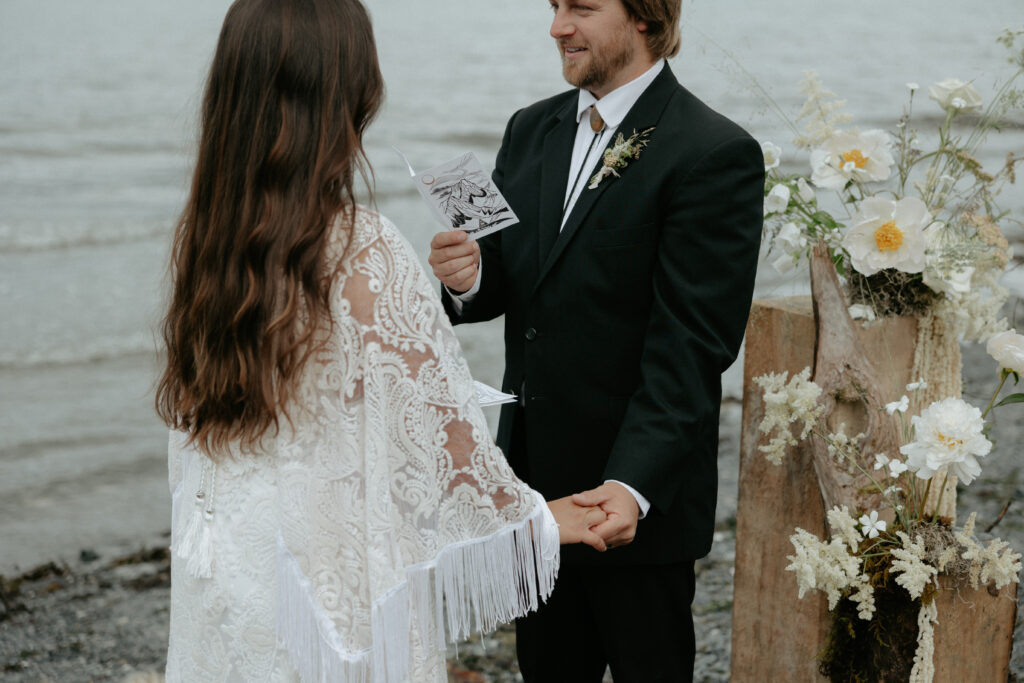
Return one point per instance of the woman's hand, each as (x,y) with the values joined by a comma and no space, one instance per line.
(574,522)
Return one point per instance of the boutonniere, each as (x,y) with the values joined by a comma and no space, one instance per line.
(618,156)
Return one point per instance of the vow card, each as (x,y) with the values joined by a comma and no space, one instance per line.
(463,196)
(489,396)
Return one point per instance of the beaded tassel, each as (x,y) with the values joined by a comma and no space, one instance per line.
(195,542)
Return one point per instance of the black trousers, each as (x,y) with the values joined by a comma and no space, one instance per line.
(635,619)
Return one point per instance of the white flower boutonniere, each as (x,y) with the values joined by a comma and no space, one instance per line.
(618,156)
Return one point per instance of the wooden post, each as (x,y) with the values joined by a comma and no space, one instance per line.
(775,635)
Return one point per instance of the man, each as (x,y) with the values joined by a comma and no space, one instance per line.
(625,292)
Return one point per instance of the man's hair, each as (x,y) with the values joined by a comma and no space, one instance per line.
(662,19)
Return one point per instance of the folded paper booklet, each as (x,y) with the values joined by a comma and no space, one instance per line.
(489,396)
(463,196)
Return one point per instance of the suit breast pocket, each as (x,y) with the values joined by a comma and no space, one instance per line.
(619,238)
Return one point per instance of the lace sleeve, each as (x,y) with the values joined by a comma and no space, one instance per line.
(395,472)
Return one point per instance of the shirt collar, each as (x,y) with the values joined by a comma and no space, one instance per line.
(615,105)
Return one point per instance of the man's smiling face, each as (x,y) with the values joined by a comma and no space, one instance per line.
(601,46)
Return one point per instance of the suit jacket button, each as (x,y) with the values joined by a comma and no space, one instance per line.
(531,334)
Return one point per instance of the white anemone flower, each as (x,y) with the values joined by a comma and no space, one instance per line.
(864,157)
(888,234)
(772,155)
(952,94)
(948,433)
(871,526)
(1007,348)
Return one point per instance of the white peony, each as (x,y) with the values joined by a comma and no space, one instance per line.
(863,157)
(777,199)
(948,433)
(772,155)
(952,94)
(888,234)
(1007,348)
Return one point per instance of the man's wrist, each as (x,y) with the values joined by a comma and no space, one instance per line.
(642,503)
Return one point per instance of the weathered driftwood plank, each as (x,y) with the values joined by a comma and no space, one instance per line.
(776,636)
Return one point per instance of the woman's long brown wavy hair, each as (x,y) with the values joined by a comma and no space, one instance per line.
(292,87)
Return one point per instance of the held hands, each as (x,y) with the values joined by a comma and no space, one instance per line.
(620,506)
(455,259)
(574,522)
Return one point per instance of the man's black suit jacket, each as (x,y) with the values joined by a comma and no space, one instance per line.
(620,325)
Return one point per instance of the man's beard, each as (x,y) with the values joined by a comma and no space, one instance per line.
(602,66)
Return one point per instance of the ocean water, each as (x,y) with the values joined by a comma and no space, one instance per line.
(97,125)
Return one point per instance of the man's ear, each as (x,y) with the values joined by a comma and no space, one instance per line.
(641,26)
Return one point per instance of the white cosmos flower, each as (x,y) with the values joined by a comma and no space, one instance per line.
(777,199)
(952,94)
(881,460)
(888,234)
(864,157)
(1007,348)
(900,405)
(871,526)
(772,155)
(948,433)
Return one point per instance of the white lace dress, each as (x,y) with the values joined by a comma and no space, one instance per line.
(377,524)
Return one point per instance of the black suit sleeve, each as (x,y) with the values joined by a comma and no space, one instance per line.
(702,288)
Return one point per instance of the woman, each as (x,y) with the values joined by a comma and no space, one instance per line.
(338,504)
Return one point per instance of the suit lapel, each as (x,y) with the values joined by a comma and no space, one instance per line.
(644,114)
(555,169)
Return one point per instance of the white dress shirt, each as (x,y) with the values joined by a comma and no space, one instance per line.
(586,151)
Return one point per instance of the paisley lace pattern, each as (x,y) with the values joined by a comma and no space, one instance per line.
(379,518)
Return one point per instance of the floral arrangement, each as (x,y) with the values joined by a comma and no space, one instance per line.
(917,230)
(888,561)
(911,230)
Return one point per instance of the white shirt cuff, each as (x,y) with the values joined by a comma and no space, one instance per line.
(642,502)
(459,299)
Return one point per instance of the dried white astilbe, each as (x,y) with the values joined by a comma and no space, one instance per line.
(914,571)
(785,404)
(831,569)
(864,596)
(820,113)
(844,527)
(924,655)
(995,561)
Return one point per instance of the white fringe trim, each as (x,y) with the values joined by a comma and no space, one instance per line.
(477,583)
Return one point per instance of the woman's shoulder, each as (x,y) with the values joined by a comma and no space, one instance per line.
(355,234)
